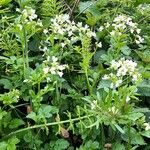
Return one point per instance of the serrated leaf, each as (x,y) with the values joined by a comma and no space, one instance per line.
(118,146)
(15,123)
(126,50)
(11,144)
(60,144)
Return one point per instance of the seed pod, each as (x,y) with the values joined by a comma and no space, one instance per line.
(64,132)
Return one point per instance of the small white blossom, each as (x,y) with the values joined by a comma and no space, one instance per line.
(127,99)
(101,28)
(45,31)
(60,73)
(113,109)
(147,126)
(46,70)
(93,104)
(106,77)
(99,44)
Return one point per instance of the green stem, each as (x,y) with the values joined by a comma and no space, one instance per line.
(129,135)
(25,47)
(102,137)
(39,87)
(88,82)
(43,125)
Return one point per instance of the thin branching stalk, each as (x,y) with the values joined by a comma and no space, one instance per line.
(45,125)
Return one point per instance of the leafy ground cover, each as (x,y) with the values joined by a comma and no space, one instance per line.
(75,74)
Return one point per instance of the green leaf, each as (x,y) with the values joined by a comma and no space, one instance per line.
(47,110)
(146,133)
(60,144)
(3,145)
(12,143)
(135,136)
(144,88)
(83,6)
(119,128)
(7,84)
(145,56)
(32,116)
(4,2)
(15,123)
(135,116)
(118,146)
(2,113)
(126,50)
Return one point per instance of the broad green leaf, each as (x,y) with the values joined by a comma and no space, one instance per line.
(32,116)
(11,144)
(135,116)
(126,50)
(83,6)
(4,2)
(7,84)
(60,144)
(118,146)
(146,133)
(3,145)
(15,123)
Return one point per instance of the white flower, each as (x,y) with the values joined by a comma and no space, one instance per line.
(113,109)
(61,67)
(112,33)
(135,77)
(46,70)
(63,45)
(54,59)
(138,30)
(60,73)
(107,25)
(115,65)
(52,70)
(45,49)
(111,85)
(118,82)
(147,126)
(101,28)
(99,44)
(45,31)
(26,80)
(106,77)
(18,10)
(93,104)
(127,99)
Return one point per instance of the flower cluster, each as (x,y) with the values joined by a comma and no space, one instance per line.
(62,26)
(113,110)
(29,15)
(122,69)
(124,23)
(55,67)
